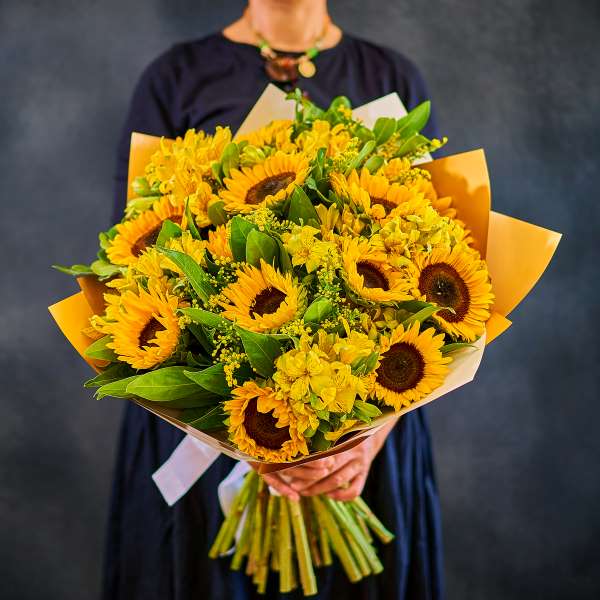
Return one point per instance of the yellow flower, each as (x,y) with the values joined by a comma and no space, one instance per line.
(315,370)
(370,276)
(263,425)
(187,245)
(277,133)
(218,243)
(144,325)
(262,299)
(334,436)
(335,139)
(134,236)
(459,280)
(265,183)
(305,249)
(410,366)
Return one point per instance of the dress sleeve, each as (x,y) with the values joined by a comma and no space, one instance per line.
(152,110)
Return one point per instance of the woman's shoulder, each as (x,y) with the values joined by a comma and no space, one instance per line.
(383,56)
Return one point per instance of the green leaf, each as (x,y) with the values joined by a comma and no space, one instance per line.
(211,379)
(198,332)
(319,443)
(76,270)
(339,102)
(191,224)
(167,231)
(411,145)
(365,365)
(362,155)
(163,385)
(420,316)
(112,373)
(104,269)
(188,415)
(205,317)
(230,159)
(240,228)
(415,120)
(374,163)
(261,349)
(448,348)
(414,306)
(384,129)
(366,409)
(98,350)
(141,187)
(302,211)
(216,213)
(318,311)
(116,389)
(193,271)
(212,419)
(285,263)
(260,245)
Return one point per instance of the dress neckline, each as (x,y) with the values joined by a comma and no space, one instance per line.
(245,45)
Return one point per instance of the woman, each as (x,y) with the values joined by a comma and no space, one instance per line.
(154,551)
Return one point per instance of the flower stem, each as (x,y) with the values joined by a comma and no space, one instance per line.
(337,539)
(243,545)
(285,549)
(305,566)
(270,524)
(224,539)
(372,521)
(257,530)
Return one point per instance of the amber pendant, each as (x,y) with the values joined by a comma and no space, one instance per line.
(307,68)
(282,68)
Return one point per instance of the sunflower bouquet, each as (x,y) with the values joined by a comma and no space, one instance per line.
(282,293)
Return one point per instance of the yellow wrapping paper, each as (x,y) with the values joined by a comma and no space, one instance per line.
(517,254)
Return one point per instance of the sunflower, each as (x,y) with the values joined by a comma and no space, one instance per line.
(411,366)
(143,324)
(265,183)
(262,299)
(218,243)
(335,139)
(374,194)
(370,276)
(457,280)
(134,236)
(263,425)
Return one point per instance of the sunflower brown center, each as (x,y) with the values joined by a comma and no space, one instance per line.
(261,427)
(149,332)
(269,187)
(267,302)
(442,284)
(401,368)
(372,276)
(389,206)
(149,238)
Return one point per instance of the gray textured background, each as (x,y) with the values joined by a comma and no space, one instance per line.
(517,451)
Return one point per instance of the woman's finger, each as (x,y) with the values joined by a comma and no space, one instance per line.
(280,486)
(354,490)
(341,477)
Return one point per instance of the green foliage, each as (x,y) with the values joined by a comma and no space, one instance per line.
(421,315)
(301,210)
(112,373)
(318,311)
(164,385)
(262,351)
(116,389)
(454,347)
(191,223)
(196,275)
(240,228)
(75,270)
(212,418)
(216,213)
(205,317)
(167,231)
(211,379)
(98,350)
(259,246)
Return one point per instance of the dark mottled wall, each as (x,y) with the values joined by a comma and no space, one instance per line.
(517,451)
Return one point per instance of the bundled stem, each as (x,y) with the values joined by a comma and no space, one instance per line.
(292,537)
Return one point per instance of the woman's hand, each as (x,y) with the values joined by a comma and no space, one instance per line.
(341,476)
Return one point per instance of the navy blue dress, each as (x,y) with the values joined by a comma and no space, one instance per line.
(154,552)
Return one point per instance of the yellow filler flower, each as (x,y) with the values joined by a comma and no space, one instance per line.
(263,425)
(456,280)
(410,366)
(262,299)
(265,183)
